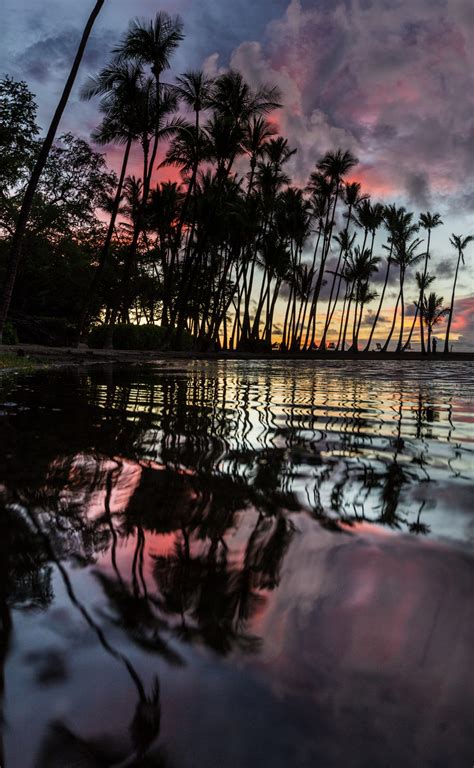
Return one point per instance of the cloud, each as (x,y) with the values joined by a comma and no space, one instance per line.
(393,81)
(463,317)
(54,53)
(444,268)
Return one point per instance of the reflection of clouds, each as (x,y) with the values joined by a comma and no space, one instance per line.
(373,625)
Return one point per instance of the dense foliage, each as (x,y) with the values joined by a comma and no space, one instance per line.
(232,255)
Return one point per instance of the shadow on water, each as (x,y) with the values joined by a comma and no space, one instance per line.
(235,564)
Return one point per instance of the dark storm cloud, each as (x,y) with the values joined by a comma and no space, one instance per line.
(418,189)
(51,54)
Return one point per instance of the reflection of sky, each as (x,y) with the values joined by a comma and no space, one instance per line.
(363,639)
(390,81)
(329,427)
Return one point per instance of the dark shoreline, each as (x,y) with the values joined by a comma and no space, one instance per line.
(72,356)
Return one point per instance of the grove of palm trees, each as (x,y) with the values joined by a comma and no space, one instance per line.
(230,253)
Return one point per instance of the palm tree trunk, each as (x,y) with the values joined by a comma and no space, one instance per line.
(387,342)
(351,296)
(402,320)
(407,343)
(285,323)
(105,248)
(425,272)
(450,316)
(312,271)
(17,242)
(343,314)
(379,308)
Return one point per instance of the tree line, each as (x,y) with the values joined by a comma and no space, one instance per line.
(231,256)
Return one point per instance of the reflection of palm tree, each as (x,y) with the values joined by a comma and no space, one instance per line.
(417,526)
(145,725)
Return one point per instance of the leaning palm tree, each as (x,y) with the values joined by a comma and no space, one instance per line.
(428,221)
(25,210)
(432,312)
(459,243)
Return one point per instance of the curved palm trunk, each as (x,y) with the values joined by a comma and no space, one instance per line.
(123,299)
(105,248)
(343,315)
(355,324)
(25,210)
(319,281)
(425,272)
(395,313)
(330,309)
(379,308)
(349,304)
(285,323)
(271,312)
(402,320)
(451,308)
(313,265)
(407,343)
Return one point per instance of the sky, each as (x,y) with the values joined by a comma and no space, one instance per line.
(391,80)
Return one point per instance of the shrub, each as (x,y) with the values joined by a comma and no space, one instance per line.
(10,335)
(51,331)
(140,337)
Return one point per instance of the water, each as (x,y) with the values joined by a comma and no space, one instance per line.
(237,564)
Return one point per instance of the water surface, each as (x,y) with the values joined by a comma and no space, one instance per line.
(237,564)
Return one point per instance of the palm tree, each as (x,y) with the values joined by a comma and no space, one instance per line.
(428,221)
(119,85)
(25,210)
(352,198)
(331,169)
(433,312)
(459,243)
(359,268)
(364,296)
(403,253)
(423,280)
(149,43)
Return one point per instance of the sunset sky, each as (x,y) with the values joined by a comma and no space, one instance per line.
(391,80)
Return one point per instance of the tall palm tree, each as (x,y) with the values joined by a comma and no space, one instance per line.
(402,252)
(352,198)
(25,210)
(119,86)
(360,266)
(432,312)
(332,167)
(149,43)
(459,243)
(428,221)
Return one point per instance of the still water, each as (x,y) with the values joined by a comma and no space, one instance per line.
(237,564)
